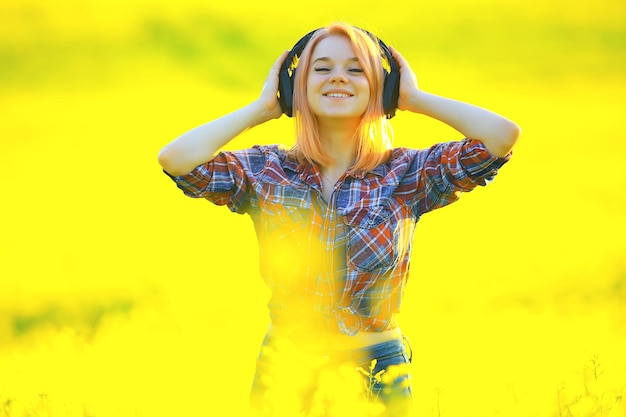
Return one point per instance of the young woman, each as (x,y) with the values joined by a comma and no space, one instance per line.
(335,214)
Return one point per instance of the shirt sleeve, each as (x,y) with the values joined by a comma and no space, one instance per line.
(442,172)
(225,180)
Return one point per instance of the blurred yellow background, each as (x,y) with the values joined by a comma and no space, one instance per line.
(119,296)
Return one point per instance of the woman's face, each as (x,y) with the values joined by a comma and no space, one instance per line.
(336,84)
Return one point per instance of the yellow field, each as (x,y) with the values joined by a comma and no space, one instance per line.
(121,297)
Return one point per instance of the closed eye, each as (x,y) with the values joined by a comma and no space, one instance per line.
(321,69)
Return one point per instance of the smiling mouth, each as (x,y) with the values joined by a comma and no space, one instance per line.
(337,95)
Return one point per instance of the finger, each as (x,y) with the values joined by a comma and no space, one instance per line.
(398,57)
(279,61)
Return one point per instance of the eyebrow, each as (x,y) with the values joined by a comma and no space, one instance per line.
(325,59)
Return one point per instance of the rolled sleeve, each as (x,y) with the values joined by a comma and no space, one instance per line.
(448,169)
(478,166)
(223,181)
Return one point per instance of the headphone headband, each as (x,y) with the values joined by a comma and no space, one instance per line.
(391,84)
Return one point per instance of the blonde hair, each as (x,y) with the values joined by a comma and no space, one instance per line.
(374,135)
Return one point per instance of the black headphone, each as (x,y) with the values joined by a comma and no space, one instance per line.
(391,86)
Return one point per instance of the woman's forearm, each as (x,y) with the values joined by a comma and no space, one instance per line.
(201,144)
(496,132)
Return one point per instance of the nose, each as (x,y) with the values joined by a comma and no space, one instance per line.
(338,77)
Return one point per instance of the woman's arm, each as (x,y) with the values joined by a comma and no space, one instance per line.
(202,143)
(496,132)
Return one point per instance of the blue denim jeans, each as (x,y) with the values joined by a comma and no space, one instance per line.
(372,381)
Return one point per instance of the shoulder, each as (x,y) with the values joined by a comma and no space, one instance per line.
(400,159)
(259,157)
(402,155)
(265,151)
(444,152)
(467,160)
(405,163)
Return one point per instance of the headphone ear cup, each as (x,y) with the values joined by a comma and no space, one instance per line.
(287,74)
(391,83)
(285,86)
(391,93)
(391,86)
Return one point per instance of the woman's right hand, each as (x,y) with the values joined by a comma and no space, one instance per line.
(269,97)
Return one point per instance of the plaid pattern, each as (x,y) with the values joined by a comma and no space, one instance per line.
(342,263)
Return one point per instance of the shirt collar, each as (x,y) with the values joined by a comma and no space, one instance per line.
(292,165)
(308,172)
(381,170)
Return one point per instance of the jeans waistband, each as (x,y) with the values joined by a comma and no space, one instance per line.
(364,355)
(380,351)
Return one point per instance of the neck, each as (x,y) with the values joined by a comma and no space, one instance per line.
(338,138)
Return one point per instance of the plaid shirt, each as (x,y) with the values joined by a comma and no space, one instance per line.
(343,263)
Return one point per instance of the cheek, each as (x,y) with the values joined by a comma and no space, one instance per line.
(366,92)
(313,86)
(309,89)
(313,83)
(366,87)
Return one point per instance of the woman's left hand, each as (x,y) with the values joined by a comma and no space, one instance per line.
(409,89)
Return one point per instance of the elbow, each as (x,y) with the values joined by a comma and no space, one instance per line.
(167,160)
(509,133)
(513,133)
